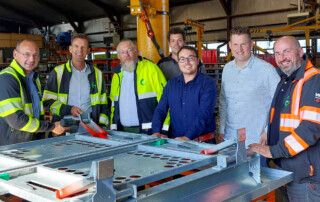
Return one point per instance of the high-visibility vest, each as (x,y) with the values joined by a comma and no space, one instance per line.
(148,89)
(12,105)
(290,121)
(61,97)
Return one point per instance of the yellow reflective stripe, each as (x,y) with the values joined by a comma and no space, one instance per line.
(9,70)
(28,110)
(41,108)
(59,71)
(63,98)
(39,86)
(10,106)
(95,100)
(103,98)
(146,125)
(31,126)
(147,95)
(47,95)
(98,79)
(16,66)
(103,119)
(165,127)
(55,108)
(113,127)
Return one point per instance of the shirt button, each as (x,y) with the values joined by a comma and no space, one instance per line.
(183,103)
(281,89)
(285,82)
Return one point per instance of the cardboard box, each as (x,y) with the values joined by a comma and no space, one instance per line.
(5,43)
(40,43)
(17,37)
(13,43)
(5,36)
(35,37)
(1,56)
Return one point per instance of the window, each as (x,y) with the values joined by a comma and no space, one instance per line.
(223,49)
(266,45)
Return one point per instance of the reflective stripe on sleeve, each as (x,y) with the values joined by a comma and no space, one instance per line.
(295,144)
(147,95)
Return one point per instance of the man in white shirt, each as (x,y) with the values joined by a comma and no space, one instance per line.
(248,85)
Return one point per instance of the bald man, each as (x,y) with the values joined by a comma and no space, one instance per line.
(21,112)
(294,127)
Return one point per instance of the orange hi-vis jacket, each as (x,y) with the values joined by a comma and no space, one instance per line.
(299,135)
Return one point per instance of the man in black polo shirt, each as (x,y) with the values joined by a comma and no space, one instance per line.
(169,65)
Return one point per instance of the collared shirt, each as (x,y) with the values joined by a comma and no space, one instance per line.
(170,67)
(245,99)
(281,100)
(79,89)
(191,106)
(127,101)
(34,96)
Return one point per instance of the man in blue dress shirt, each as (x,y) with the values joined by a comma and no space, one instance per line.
(248,85)
(191,98)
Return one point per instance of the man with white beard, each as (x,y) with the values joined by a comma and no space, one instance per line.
(136,89)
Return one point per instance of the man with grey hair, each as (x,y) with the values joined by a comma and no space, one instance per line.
(136,89)
(248,85)
(294,127)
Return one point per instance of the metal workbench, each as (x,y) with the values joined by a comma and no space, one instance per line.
(119,168)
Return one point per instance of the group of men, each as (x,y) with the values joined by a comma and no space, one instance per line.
(278,107)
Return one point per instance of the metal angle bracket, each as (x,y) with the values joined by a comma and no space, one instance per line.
(102,173)
(255,168)
(241,153)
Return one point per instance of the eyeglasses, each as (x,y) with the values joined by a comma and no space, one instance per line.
(123,52)
(285,53)
(28,55)
(190,58)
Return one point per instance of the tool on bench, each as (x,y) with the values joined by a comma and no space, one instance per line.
(94,129)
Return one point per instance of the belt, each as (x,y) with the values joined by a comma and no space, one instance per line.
(205,137)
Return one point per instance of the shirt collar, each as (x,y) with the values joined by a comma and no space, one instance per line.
(84,69)
(181,79)
(31,75)
(173,60)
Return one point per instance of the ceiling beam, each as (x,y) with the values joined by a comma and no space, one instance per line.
(58,10)
(226,5)
(22,13)
(115,21)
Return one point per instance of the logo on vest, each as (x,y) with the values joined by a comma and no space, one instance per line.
(287,102)
(93,85)
(142,82)
(317,97)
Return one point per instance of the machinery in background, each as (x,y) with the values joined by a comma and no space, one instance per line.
(152,27)
(200,33)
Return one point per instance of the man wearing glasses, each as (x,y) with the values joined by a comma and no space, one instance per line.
(248,85)
(77,86)
(136,88)
(21,112)
(191,98)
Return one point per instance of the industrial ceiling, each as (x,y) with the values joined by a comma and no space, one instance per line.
(21,15)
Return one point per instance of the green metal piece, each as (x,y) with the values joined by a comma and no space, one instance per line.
(158,142)
(4,176)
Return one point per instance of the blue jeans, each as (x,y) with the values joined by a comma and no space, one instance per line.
(305,192)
